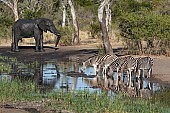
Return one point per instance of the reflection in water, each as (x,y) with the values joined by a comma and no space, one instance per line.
(66,76)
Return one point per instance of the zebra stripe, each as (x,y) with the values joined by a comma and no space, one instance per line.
(95,61)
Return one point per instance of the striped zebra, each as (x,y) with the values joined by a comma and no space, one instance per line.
(137,65)
(144,63)
(130,66)
(95,61)
(116,66)
(100,67)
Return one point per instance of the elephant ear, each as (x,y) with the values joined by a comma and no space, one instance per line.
(42,25)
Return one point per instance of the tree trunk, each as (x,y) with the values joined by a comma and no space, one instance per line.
(75,38)
(108,15)
(102,20)
(64,13)
(105,38)
(15,10)
(13,6)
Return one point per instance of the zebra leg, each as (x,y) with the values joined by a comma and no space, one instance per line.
(150,72)
(127,77)
(143,73)
(117,79)
(130,78)
(150,85)
(95,69)
(139,74)
(104,72)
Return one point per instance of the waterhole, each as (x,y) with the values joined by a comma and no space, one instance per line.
(67,76)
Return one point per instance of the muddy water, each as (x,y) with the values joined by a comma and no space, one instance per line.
(67,76)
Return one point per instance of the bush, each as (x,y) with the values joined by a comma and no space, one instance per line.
(66,37)
(145,26)
(94,29)
(5,25)
(30,14)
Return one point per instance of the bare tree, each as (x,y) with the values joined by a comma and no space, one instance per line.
(108,15)
(64,5)
(75,38)
(14,7)
(102,20)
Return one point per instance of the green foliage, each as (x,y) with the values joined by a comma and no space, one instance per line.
(30,14)
(5,24)
(94,29)
(145,26)
(80,101)
(56,5)
(125,6)
(140,21)
(66,38)
(16,90)
(85,3)
(162,97)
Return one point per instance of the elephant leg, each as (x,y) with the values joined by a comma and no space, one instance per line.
(37,42)
(15,44)
(41,43)
(15,38)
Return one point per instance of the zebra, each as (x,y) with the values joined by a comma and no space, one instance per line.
(144,63)
(116,66)
(136,65)
(95,61)
(100,66)
(130,66)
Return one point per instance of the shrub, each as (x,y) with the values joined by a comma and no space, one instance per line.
(145,26)
(5,25)
(66,38)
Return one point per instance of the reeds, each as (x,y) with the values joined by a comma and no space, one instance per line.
(79,101)
(17,90)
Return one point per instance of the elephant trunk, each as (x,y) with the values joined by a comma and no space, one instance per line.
(57,35)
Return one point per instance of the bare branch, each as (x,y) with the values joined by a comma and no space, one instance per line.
(8,3)
(101,9)
(13,6)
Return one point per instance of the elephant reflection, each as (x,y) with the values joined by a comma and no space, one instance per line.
(23,28)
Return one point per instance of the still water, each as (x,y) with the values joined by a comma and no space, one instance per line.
(67,76)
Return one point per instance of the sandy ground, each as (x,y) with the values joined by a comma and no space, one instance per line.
(161,69)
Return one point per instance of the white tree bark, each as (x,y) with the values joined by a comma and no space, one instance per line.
(64,12)
(108,15)
(101,9)
(102,20)
(13,6)
(75,39)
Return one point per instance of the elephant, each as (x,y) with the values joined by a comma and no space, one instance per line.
(24,28)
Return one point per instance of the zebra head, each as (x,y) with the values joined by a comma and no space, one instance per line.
(85,64)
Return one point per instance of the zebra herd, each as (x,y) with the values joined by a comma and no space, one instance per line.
(106,65)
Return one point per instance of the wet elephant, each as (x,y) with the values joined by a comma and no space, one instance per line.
(23,28)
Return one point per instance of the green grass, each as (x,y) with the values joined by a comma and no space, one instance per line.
(17,90)
(80,102)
